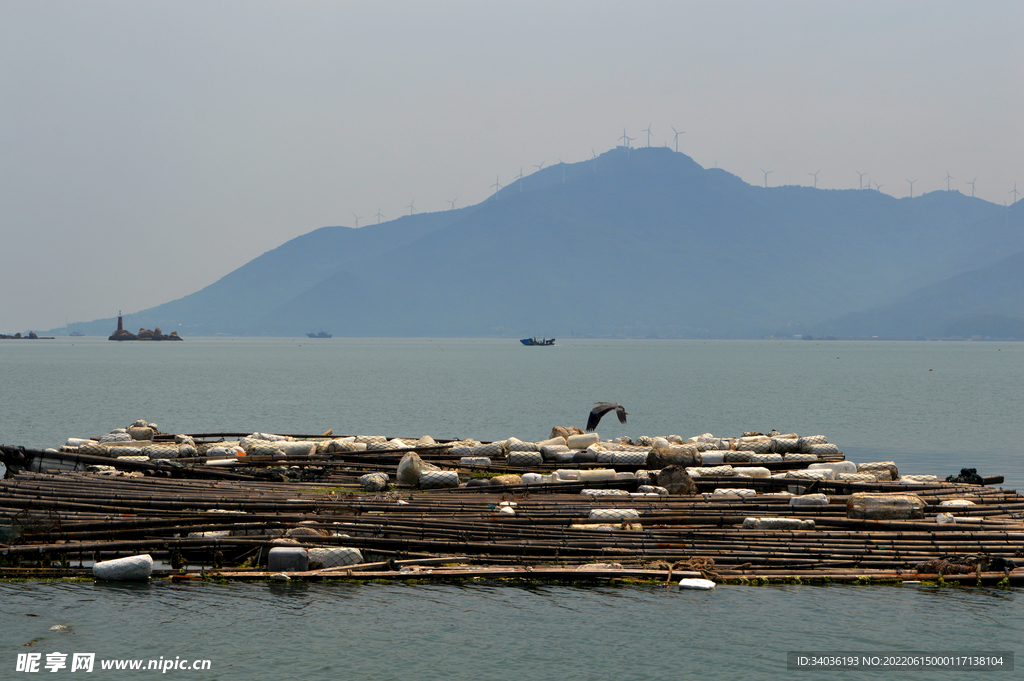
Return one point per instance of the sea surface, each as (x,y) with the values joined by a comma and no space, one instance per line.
(932,407)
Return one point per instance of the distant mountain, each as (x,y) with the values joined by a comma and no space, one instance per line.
(984,303)
(638,242)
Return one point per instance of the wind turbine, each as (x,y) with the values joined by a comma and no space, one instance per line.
(861,179)
(452,201)
(878,187)
(593,160)
(648,131)
(411,207)
(911,187)
(626,139)
(815,176)
(358,218)
(948,178)
(378,215)
(563,170)
(677,138)
(496,185)
(972,186)
(539,167)
(520,178)
(766,174)
(1014,192)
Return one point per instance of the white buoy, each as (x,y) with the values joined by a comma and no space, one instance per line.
(124,569)
(698,584)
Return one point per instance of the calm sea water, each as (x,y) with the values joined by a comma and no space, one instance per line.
(932,407)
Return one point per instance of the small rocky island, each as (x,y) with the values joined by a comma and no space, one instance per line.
(31,335)
(143,335)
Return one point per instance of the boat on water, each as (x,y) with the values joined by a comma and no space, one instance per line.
(534,341)
(76,334)
(319,334)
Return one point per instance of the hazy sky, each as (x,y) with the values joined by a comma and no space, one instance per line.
(149,148)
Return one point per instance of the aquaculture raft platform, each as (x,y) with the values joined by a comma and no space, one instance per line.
(218,523)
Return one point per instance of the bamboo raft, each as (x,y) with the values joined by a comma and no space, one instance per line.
(205,522)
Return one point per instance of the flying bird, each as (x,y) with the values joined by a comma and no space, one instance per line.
(600,410)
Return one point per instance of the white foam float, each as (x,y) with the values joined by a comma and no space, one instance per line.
(698,584)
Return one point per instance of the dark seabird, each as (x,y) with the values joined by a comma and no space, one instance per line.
(600,410)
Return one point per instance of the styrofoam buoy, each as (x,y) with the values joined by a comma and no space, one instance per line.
(124,569)
(698,584)
(333,556)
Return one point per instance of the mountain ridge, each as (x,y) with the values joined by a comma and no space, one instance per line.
(638,242)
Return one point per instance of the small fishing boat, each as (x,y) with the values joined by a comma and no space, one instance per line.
(319,334)
(534,341)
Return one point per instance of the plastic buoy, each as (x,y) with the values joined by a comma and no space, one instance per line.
(699,584)
(124,569)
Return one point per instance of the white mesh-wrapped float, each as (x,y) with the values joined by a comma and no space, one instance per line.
(856,477)
(93,449)
(702,471)
(652,489)
(494,450)
(805,474)
(329,557)
(161,451)
(374,482)
(777,524)
(515,445)
(917,479)
(604,492)
(629,458)
(371,439)
(878,506)
(613,513)
(754,471)
(836,467)
(124,450)
(801,458)
(781,445)
(266,449)
(766,458)
(734,457)
(807,441)
(734,491)
(957,502)
(809,500)
(825,450)
(876,467)
(524,459)
(475,461)
(757,446)
(115,437)
(124,569)
(438,479)
(548,452)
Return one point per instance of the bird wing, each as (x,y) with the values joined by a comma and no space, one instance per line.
(596,413)
(621,412)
